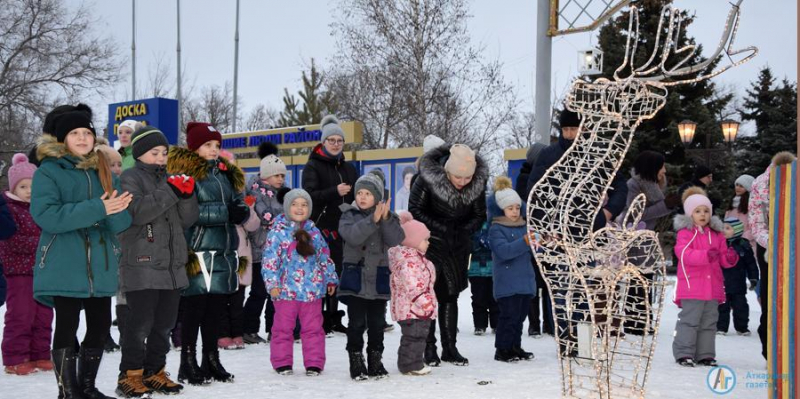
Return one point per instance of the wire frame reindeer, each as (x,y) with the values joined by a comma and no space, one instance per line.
(608,286)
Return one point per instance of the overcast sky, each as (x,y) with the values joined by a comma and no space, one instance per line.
(278,39)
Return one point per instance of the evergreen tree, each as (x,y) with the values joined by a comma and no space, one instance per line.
(315,101)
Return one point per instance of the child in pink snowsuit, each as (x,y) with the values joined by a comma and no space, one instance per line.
(702,251)
(297,271)
(28,324)
(413,299)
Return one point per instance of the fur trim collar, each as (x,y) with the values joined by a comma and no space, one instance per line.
(186,161)
(431,170)
(48,147)
(685,222)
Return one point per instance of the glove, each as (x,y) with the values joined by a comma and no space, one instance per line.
(731,256)
(182,185)
(713,255)
(753,284)
(249,200)
(237,213)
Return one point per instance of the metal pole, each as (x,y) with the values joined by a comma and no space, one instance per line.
(544,55)
(133,49)
(236,68)
(179,94)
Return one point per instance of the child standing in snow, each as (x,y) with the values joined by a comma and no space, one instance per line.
(484,307)
(702,253)
(736,280)
(28,324)
(514,279)
(297,272)
(413,298)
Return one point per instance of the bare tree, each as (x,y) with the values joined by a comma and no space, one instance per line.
(262,117)
(160,82)
(406,68)
(48,54)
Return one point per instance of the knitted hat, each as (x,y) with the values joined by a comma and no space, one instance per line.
(701,171)
(145,139)
(745,181)
(199,133)
(430,142)
(20,170)
(694,197)
(533,153)
(504,195)
(415,231)
(271,165)
(49,126)
(736,225)
(569,119)
(462,161)
(293,195)
(131,124)
(330,127)
(372,182)
(69,121)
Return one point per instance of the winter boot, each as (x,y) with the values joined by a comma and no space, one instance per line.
(448,322)
(213,367)
(129,385)
(160,382)
(521,353)
(431,357)
(189,371)
(358,370)
(336,322)
(88,365)
(505,355)
(375,365)
(64,361)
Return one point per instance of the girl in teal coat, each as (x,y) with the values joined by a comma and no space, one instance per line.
(213,262)
(76,203)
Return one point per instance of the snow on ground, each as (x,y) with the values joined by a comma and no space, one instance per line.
(535,379)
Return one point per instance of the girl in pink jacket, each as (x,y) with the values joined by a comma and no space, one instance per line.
(702,251)
(413,300)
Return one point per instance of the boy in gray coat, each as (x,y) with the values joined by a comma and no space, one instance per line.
(369,228)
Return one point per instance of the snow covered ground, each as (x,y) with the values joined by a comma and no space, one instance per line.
(483,378)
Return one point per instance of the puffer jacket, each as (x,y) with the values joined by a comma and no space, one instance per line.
(18,253)
(321,175)
(7,226)
(511,259)
(745,269)
(412,280)
(758,209)
(451,215)
(78,251)
(698,276)
(298,278)
(245,250)
(154,252)
(480,264)
(366,266)
(213,263)
(267,208)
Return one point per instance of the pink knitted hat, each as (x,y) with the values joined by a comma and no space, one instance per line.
(414,230)
(694,197)
(20,170)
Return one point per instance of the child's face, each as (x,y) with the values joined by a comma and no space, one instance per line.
(156,156)
(728,231)
(512,212)
(298,212)
(365,199)
(423,246)
(740,190)
(116,166)
(275,181)
(124,134)
(80,141)
(23,190)
(701,215)
(209,150)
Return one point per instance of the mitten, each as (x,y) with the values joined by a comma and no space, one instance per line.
(731,256)
(237,213)
(249,200)
(182,185)
(713,255)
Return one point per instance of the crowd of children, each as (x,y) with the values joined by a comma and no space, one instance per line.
(177,234)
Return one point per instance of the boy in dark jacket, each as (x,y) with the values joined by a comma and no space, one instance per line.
(735,281)
(484,307)
(514,280)
(369,228)
(152,268)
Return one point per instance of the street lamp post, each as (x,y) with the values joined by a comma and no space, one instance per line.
(709,155)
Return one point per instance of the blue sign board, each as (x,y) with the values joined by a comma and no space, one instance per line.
(159,112)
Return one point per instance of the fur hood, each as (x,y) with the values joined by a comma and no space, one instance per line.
(186,161)
(685,222)
(431,170)
(48,147)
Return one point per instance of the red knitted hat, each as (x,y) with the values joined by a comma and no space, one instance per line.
(199,133)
